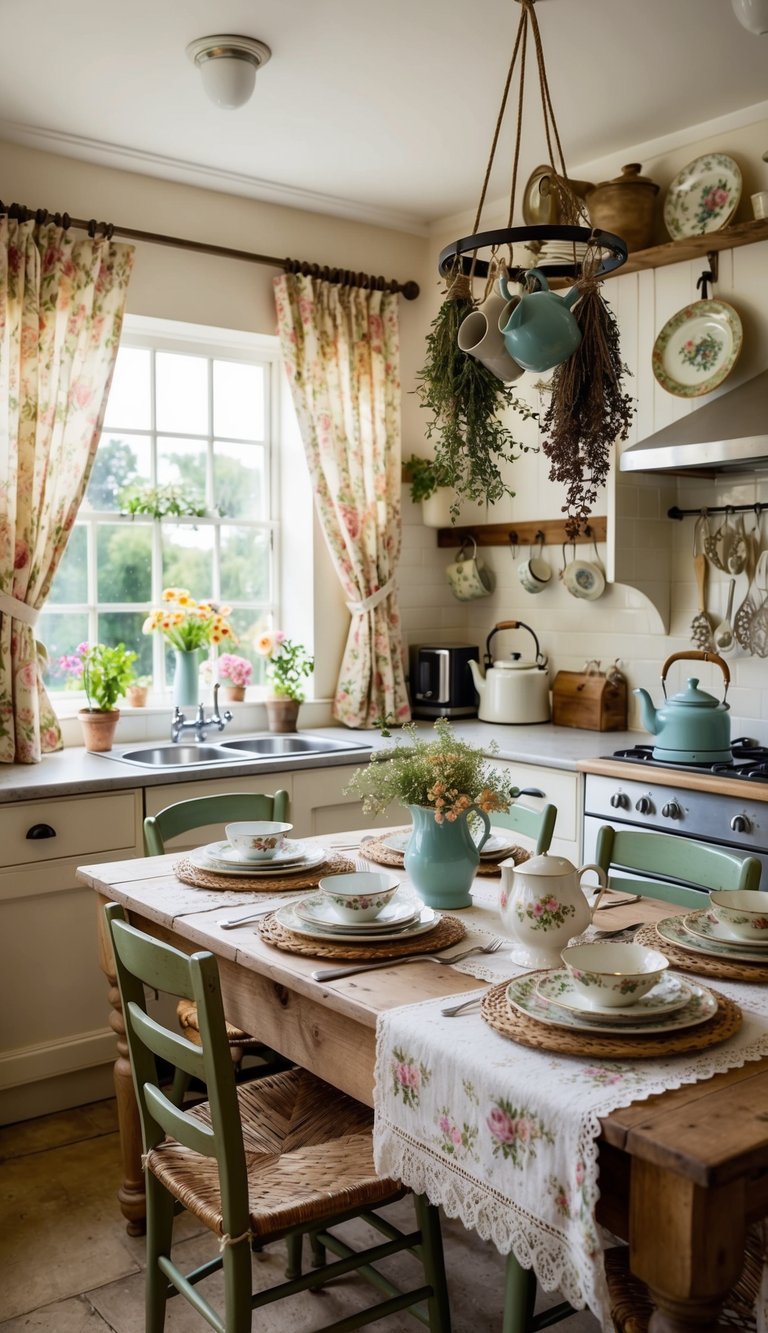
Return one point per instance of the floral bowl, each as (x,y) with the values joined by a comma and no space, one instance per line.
(613,976)
(257,839)
(359,895)
(742,911)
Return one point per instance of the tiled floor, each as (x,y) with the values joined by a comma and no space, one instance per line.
(67,1264)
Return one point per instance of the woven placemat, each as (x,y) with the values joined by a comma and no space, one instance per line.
(373,849)
(705,965)
(308,879)
(449,930)
(498,1012)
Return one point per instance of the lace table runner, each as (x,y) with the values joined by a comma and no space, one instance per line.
(505,1137)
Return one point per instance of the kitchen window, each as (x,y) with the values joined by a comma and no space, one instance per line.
(192,418)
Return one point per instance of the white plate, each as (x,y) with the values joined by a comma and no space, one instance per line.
(697,348)
(426,920)
(229,856)
(257,869)
(523,996)
(669,994)
(706,926)
(497,845)
(703,197)
(674,930)
(316,910)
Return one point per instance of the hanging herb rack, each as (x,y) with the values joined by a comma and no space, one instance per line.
(523,534)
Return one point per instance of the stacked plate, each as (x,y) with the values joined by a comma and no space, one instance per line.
(496,848)
(221,858)
(551,998)
(403,917)
(701,932)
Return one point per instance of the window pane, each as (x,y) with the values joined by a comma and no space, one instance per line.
(248,625)
(239,480)
(124,562)
(182,463)
(70,582)
(244,565)
(188,559)
(182,393)
(129,406)
(125,627)
(238,400)
(121,462)
(61,634)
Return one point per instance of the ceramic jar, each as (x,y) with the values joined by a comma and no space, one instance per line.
(625,206)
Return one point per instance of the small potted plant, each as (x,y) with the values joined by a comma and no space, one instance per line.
(104,673)
(449,789)
(287,665)
(441,506)
(136,694)
(235,675)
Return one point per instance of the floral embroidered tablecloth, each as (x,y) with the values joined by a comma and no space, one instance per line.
(505,1137)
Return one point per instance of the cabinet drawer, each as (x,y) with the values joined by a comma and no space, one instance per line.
(80,825)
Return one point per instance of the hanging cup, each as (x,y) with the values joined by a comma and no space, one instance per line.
(541,332)
(480,337)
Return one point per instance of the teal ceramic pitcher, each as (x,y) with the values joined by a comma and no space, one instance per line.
(541,332)
(441,859)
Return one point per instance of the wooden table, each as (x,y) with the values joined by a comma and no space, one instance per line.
(681,1175)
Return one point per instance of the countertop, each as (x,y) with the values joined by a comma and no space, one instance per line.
(73,771)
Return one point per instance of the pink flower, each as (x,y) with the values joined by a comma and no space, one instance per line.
(538,909)
(444,1124)
(456,1136)
(579,1172)
(501,1125)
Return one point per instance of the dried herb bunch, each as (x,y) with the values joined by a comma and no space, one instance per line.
(589,409)
(465,398)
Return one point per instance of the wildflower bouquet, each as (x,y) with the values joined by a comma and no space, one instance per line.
(287,663)
(103,672)
(447,775)
(186,624)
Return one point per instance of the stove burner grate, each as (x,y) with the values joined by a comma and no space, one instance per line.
(749,761)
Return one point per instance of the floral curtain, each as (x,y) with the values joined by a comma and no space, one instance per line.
(61,309)
(341,351)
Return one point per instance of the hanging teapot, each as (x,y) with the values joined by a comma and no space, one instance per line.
(692,727)
(541,332)
(543,906)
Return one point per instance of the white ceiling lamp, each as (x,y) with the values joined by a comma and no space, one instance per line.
(228,66)
(752,15)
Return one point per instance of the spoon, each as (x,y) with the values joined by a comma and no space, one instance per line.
(701,628)
(723,635)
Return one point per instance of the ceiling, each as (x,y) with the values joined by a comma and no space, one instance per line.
(382,112)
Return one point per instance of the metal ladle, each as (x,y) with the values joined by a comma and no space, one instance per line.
(723,636)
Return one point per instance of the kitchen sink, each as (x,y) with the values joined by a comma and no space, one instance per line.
(231,752)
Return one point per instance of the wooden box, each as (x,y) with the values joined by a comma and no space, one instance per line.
(591,700)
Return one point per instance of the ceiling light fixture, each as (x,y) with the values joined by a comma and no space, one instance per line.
(228,66)
(752,15)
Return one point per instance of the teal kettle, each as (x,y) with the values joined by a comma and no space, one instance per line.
(692,727)
(541,332)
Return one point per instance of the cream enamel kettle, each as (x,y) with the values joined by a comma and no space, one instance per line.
(512,691)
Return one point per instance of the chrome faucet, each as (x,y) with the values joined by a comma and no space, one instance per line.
(200,724)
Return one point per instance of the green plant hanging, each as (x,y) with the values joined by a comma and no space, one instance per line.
(160,502)
(465,399)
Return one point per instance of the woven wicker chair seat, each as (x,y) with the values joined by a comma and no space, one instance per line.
(632,1307)
(186,1012)
(309,1153)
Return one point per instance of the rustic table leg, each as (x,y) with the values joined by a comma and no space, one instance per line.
(686,1244)
(131,1195)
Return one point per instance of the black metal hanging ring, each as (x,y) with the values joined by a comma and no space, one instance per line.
(465,248)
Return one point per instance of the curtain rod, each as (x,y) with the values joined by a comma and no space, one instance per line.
(345,277)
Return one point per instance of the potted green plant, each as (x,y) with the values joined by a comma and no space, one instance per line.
(449,788)
(430,485)
(287,664)
(104,673)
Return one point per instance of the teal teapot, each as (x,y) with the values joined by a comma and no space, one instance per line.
(692,727)
(541,332)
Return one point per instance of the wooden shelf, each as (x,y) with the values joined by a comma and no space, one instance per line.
(524,534)
(695,247)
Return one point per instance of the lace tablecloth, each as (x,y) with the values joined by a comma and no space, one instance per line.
(505,1137)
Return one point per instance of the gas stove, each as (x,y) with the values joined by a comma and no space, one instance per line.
(749,761)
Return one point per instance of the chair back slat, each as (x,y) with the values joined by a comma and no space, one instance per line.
(664,858)
(175,1122)
(203,810)
(171,1046)
(538,825)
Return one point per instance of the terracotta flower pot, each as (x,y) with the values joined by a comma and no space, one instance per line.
(232,694)
(282,714)
(98,728)
(137,695)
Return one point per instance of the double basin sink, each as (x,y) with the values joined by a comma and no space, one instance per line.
(247,748)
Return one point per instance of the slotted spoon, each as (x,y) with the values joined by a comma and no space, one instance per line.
(723,636)
(701,626)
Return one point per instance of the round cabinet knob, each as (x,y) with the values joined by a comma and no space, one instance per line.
(740,824)
(619,801)
(671,810)
(644,806)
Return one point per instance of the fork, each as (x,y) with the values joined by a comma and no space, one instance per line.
(452,1010)
(333,973)
(606,934)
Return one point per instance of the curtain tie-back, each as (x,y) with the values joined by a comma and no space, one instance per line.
(11,606)
(369,603)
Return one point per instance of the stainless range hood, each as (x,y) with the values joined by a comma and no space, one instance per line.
(729,434)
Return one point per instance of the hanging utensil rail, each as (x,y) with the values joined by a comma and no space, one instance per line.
(757,508)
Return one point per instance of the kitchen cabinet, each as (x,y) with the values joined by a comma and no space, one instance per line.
(561,788)
(56,1046)
(322,807)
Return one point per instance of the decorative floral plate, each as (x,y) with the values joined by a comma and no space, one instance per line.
(706,926)
(316,910)
(205,858)
(670,993)
(523,996)
(226,854)
(674,930)
(703,197)
(426,920)
(697,348)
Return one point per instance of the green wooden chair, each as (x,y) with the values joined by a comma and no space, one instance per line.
(263,1161)
(538,825)
(197,813)
(650,861)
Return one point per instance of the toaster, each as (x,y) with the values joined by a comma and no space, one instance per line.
(441,682)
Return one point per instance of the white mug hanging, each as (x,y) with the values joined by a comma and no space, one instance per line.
(468,576)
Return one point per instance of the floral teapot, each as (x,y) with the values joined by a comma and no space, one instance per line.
(543,906)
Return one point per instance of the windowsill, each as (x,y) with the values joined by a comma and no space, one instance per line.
(153,722)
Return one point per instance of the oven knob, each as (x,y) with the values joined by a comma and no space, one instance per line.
(644,806)
(740,824)
(619,801)
(671,810)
